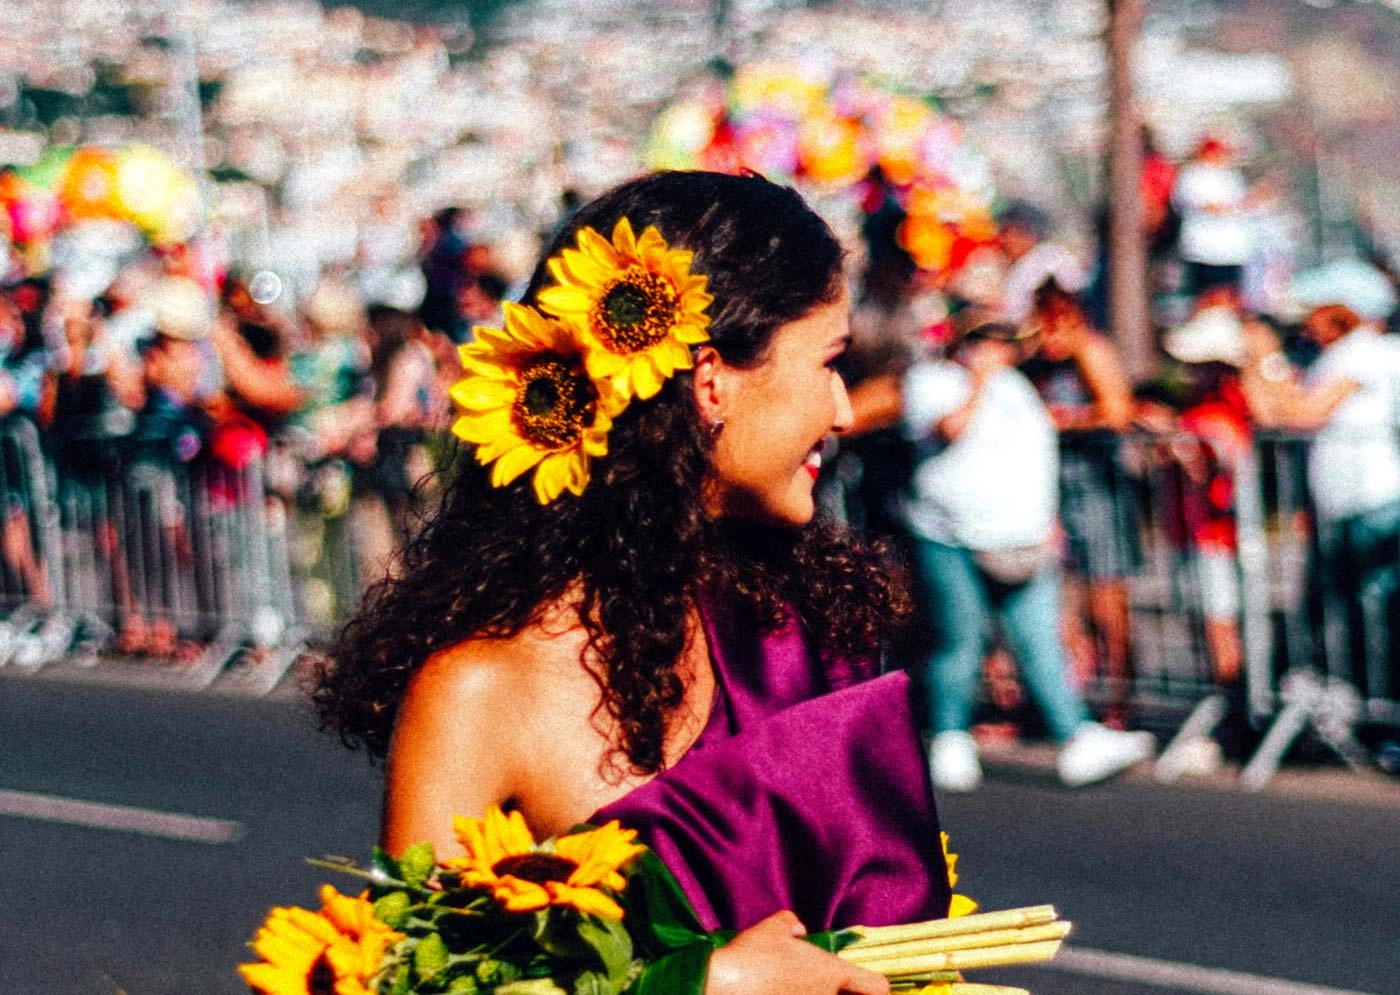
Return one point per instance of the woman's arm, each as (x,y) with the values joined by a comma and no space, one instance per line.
(264,385)
(1103,374)
(463,739)
(771,957)
(1292,406)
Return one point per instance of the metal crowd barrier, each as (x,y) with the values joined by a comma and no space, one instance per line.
(1299,669)
(1235,543)
(113,553)
(241,566)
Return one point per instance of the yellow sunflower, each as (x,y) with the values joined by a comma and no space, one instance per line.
(577,871)
(332,952)
(527,401)
(637,298)
(961,905)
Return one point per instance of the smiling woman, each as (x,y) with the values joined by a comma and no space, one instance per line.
(627,568)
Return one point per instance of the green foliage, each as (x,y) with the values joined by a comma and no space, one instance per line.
(462,941)
(393,909)
(832,940)
(680,972)
(429,956)
(662,916)
(417,864)
(613,945)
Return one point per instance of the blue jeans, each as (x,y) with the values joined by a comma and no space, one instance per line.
(963,602)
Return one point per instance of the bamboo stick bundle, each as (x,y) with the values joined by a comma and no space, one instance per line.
(939,950)
(867,956)
(1031,915)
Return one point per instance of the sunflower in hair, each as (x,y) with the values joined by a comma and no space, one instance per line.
(527,402)
(635,296)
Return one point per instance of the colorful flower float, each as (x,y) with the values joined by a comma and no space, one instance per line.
(840,136)
(67,185)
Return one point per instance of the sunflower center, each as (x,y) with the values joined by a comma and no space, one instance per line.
(636,312)
(554,402)
(536,867)
(320,980)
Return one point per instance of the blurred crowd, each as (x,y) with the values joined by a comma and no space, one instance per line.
(999,439)
(327,413)
(1002,443)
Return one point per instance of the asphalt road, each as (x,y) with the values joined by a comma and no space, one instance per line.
(1297,885)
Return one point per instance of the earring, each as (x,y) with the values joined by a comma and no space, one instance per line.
(713,427)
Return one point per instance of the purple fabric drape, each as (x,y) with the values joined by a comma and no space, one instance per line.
(796,795)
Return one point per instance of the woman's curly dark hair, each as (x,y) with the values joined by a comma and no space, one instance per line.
(637,545)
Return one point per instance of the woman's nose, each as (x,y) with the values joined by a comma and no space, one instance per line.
(845,416)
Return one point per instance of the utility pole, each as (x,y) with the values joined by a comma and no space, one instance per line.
(1129,318)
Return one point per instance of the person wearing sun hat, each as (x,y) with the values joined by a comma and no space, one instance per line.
(982,517)
(180,375)
(178,365)
(1349,399)
(1203,407)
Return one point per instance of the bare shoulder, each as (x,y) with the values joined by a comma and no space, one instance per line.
(474,725)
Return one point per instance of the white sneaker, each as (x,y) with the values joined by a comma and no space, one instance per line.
(1198,756)
(952,761)
(1096,752)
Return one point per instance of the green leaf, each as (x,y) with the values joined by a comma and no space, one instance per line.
(681,972)
(385,864)
(417,864)
(393,909)
(613,945)
(464,985)
(832,940)
(531,986)
(402,981)
(593,983)
(663,915)
(429,956)
(496,972)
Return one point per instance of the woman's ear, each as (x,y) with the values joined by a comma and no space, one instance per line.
(708,379)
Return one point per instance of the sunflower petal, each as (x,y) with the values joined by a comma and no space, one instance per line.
(516,836)
(520,896)
(603,363)
(652,249)
(961,905)
(482,392)
(494,449)
(482,427)
(587,269)
(645,379)
(559,472)
(588,900)
(565,300)
(527,326)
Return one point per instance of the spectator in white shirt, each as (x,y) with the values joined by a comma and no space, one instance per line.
(1350,399)
(1216,238)
(982,517)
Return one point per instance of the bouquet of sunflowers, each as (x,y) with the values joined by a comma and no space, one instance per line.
(588,913)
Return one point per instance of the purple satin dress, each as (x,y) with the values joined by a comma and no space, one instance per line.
(807,790)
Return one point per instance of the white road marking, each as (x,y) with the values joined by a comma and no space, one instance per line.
(124,818)
(1179,977)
